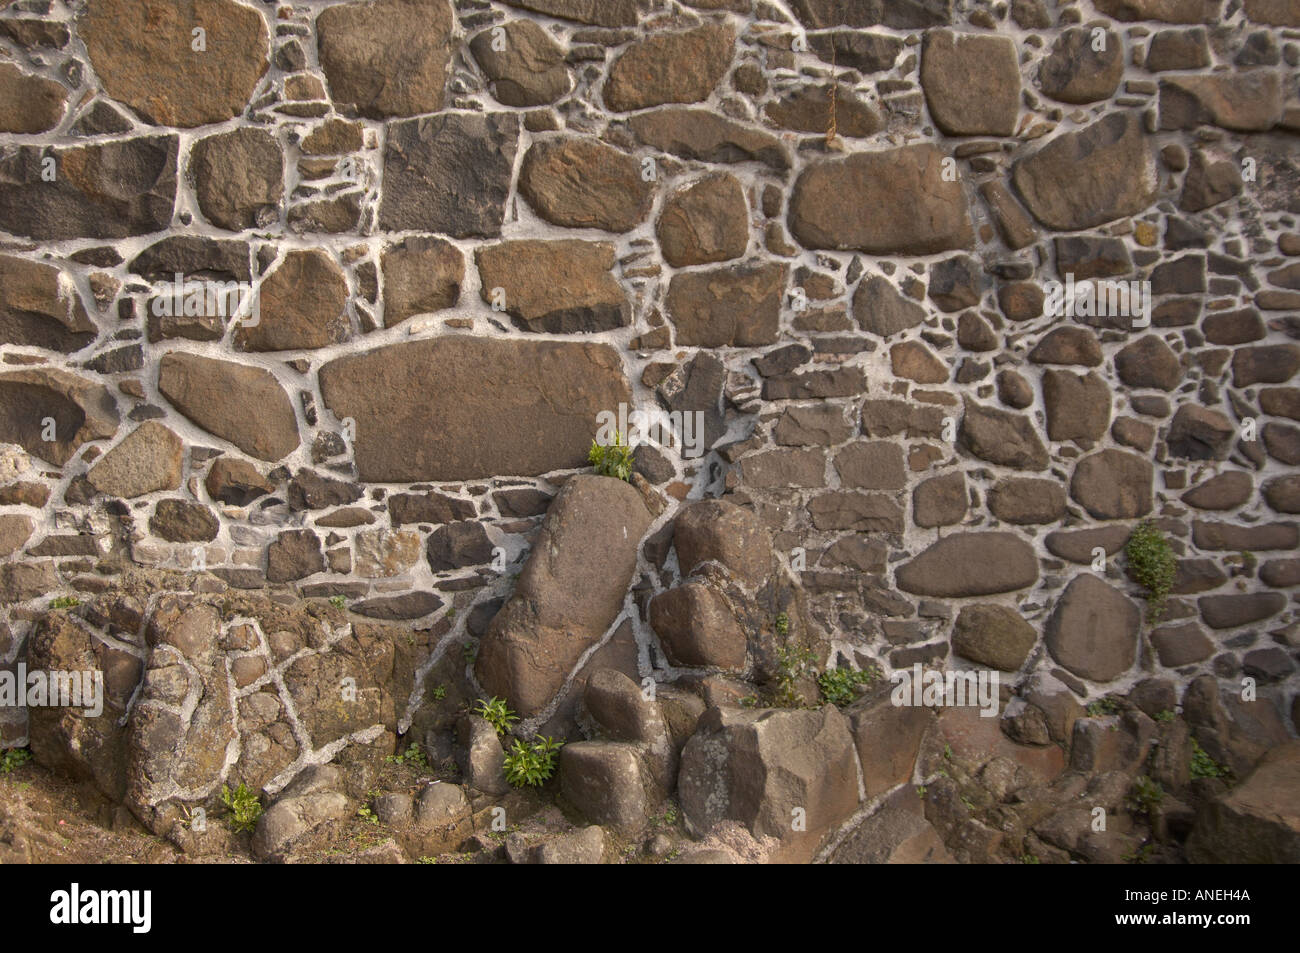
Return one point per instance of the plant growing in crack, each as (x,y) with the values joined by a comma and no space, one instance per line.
(496,713)
(242,807)
(1152,561)
(529,764)
(614,460)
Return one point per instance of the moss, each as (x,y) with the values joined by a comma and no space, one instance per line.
(1153,565)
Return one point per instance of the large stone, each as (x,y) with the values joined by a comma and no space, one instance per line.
(605,781)
(181,521)
(81,410)
(1093,631)
(888,738)
(1226,491)
(1001,437)
(1165,11)
(238,178)
(1248,101)
(148,459)
(449,173)
(1198,433)
(40,307)
(697,627)
(1148,362)
(757,767)
(971,82)
(538,400)
(569,592)
(1077,72)
(882,309)
(862,512)
(893,202)
(107,190)
(235,481)
(294,554)
(1238,609)
(940,500)
(387,57)
(1078,405)
(421,274)
(1113,485)
(1273,12)
(672,67)
(735,306)
(1027,502)
(143,52)
(708,221)
(722,532)
(1271,364)
(703,135)
(244,405)
(583,183)
(194,257)
(993,635)
(29,104)
(897,833)
(1091,176)
(529,70)
(607,13)
(1256,822)
(808,109)
(300,306)
(970,564)
(558,287)
(899,14)
(15,530)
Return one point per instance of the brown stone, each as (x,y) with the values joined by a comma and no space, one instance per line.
(696,627)
(1093,631)
(735,306)
(1027,502)
(970,564)
(301,306)
(555,286)
(1076,72)
(40,307)
(1113,485)
(914,361)
(82,410)
(971,82)
(238,178)
(1149,362)
(940,500)
(29,104)
(1001,437)
(672,67)
(422,274)
(993,635)
(148,459)
(704,135)
(1226,491)
(529,71)
(708,221)
(583,183)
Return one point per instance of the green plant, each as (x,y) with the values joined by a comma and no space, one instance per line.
(64,602)
(496,713)
(242,807)
(531,764)
(13,758)
(1166,715)
(947,752)
(1146,794)
(1249,561)
(1029,859)
(438,693)
(366,814)
(1204,766)
(338,602)
(1152,561)
(668,818)
(612,461)
(412,756)
(782,624)
(792,664)
(1102,707)
(427,860)
(1139,855)
(841,685)
(471,653)
(920,791)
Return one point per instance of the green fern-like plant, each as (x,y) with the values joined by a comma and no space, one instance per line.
(614,460)
(242,807)
(496,713)
(1153,563)
(529,765)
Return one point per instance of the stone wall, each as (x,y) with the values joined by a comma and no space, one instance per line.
(828,226)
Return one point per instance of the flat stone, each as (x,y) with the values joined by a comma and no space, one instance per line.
(1078,546)
(916,362)
(1165,11)
(300,306)
(1246,101)
(606,13)
(40,307)
(1149,362)
(1093,631)
(539,399)
(1255,538)
(871,465)
(1089,177)
(1198,433)
(15,530)
(238,178)
(387,57)
(671,67)
(1225,491)
(82,410)
(448,173)
(1001,437)
(993,635)
(719,531)
(1113,485)
(971,82)
(29,104)
(970,564)
(1076,72)
(696,627)
(422,274)
(940,500)
(182,521)
(808,109)
(583,183)
(1270,364)
(1178,49)
(784,469)
(893,202)
(1067,345)
(409,605)
(703,135)
(735,306)
(1182,644)
(1238,609)
(194,257)
(1256,821)
(558,287)
(905,15)
(237,482)
(143,53)
(1077,405)
(880,308)
(1027,502)
(294,554)
(148,459)
(860,512)
(529,71)
(706,222)
(244,405)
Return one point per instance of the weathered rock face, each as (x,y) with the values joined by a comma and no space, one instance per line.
(557,287)
(971,83)
(145,55)
(583,183)
(39,307)
(420,275)
(354,37)
(80,409)
(148,459)
(670,68)
(696,627)
(892,202)
(706,136)
(1255,822)
(970,564)
(238,178)
(1086,178)
(993,635)
(242,404)
(29,104)
(735,306)
(706,222)
(529,70)
(568,594)
(542,406)
(1078,71)
(300,306)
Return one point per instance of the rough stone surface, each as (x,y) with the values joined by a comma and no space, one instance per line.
(242,404)
(583,183)
(1093,630)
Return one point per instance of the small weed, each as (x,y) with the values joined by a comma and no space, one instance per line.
(1204,766)
(612,461)
(947,752)
(749,701)
(1029,859)
(13,758)
(1153,564)
(438,693)
(471,653)
(1146,794)
(338,602)
(366,814)
(667,819)
(496,713)
(531,764)
(782,624)
(1102,707)
(427,860)
(840,686)
(920,791)
(451,613)
(1166,715)
(970,804)
(792,664)
(64,602)
(412,756)
(1139,855)
(242,807)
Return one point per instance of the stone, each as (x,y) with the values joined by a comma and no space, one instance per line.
(539,399)
(448,173)
(147,460)
(1027,502)
(719,531)
(808,109)
(603,780)
(1208,183)
(292,818)
(1280,401)
(861,512)
(409,605)
(1013,222)
(897,833)
(387,58)
(380,553)
(955,283)
(15,530)
(242,404)
(458,545)
(1093,631)
(1198,433)
(238,178)
(422,274)
(1245,101)
(529,70)
(696,626)
(1076,72)
(606,13)
(756,766)
(670,67)
(559,287)
(29,104)
(181,521)
(706,222)
(940,500)
(1182,644)
(811,426)
(1233,327)
(1148,362)
(144,56)
(1001,437)
(1164,11)
(914,361)
(82,410)
(300,306)
(480,756)
(905,15)
(871,465)
(567,595)
(105,190)
(784,469)
(236,482)
(1077,405)
(1178,49)
(1113,485)
(293,554)
(733,306)
(703,135)
(993,635)
(970,564)
(1255,822)
(1259,537)
(40,307)
(1271,364)
(1090,176)
(1226,491)
(195,257)
(1091,256)
(888,738)
(1067,345)
(1282,442)
(1231,611)
(1014,390)
(880,308)
(583,183)
(891,202)
(971,82)
(857,49)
